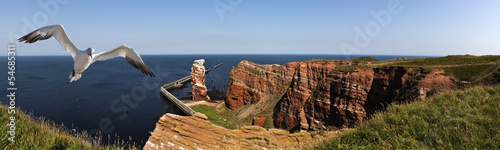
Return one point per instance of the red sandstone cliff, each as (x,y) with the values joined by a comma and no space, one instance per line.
(304,80)
(307,95)
(198,81)
(249,82)
(314,98)
(344,100)
(196,132)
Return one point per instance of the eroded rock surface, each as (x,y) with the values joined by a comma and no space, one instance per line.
(315,98)
(302,95)
(196,132)
(344,100)
(249,82)
(198,81)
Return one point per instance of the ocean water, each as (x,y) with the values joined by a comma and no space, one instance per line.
(114,98)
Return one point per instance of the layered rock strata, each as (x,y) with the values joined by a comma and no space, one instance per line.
(344,100)
(308,96)
(315,98)
(289,111)
(196,132)
(198,81)
(249,82)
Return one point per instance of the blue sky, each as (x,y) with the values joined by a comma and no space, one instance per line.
(424,27)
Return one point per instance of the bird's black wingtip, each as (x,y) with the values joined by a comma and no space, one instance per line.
(150,73)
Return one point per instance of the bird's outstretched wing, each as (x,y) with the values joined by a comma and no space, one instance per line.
(48,31)
(129,54)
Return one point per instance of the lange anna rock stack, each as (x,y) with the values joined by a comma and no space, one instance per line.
(198,81)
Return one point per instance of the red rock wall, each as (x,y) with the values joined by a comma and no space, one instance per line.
(249,82)
(304,81)
(318,99)
(196,132)
(348,98)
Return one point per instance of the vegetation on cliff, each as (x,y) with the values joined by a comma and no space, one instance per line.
(460,67)
(466,119)
(234,119)
(217,115)
(334,94)
(36,133)
(364,60)
(197,132)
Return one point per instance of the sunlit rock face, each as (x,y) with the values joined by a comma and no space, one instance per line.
(197,132)
(198,81)
(312,97)
(250,82)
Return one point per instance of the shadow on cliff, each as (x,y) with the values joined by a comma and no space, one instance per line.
(383,91)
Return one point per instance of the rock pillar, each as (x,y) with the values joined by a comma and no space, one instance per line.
(198,81)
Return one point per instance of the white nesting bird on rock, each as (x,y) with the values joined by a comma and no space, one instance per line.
(83,59)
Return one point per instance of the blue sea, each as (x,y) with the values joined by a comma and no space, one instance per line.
(113,97)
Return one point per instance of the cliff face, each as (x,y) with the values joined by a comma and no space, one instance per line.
(315,98)
(198,81)
(249,82)
(344,100)
(196,132)
(304,80)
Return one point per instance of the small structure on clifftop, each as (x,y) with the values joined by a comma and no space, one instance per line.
(198,81)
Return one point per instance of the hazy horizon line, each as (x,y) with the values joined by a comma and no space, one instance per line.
(271,54)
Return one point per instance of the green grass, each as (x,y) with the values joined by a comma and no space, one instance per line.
(364,60)
(467,119)
(324,61)
(221,118)
(448,60)
(459,67)
(268,123)
(231,119)
(359,63)
(466,72)
(255,72)
(349,69)
(33,133)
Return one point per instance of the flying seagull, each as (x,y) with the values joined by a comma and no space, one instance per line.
(83,59)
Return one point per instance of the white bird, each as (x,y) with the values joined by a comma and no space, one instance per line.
(83,59)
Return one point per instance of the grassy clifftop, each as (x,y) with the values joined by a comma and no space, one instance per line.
(466,119)
(33,133)
(459,67)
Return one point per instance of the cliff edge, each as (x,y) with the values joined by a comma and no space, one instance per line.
(329,94)
(196,132)
(315,95)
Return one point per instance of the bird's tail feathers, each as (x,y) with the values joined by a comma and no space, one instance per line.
(74,76)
